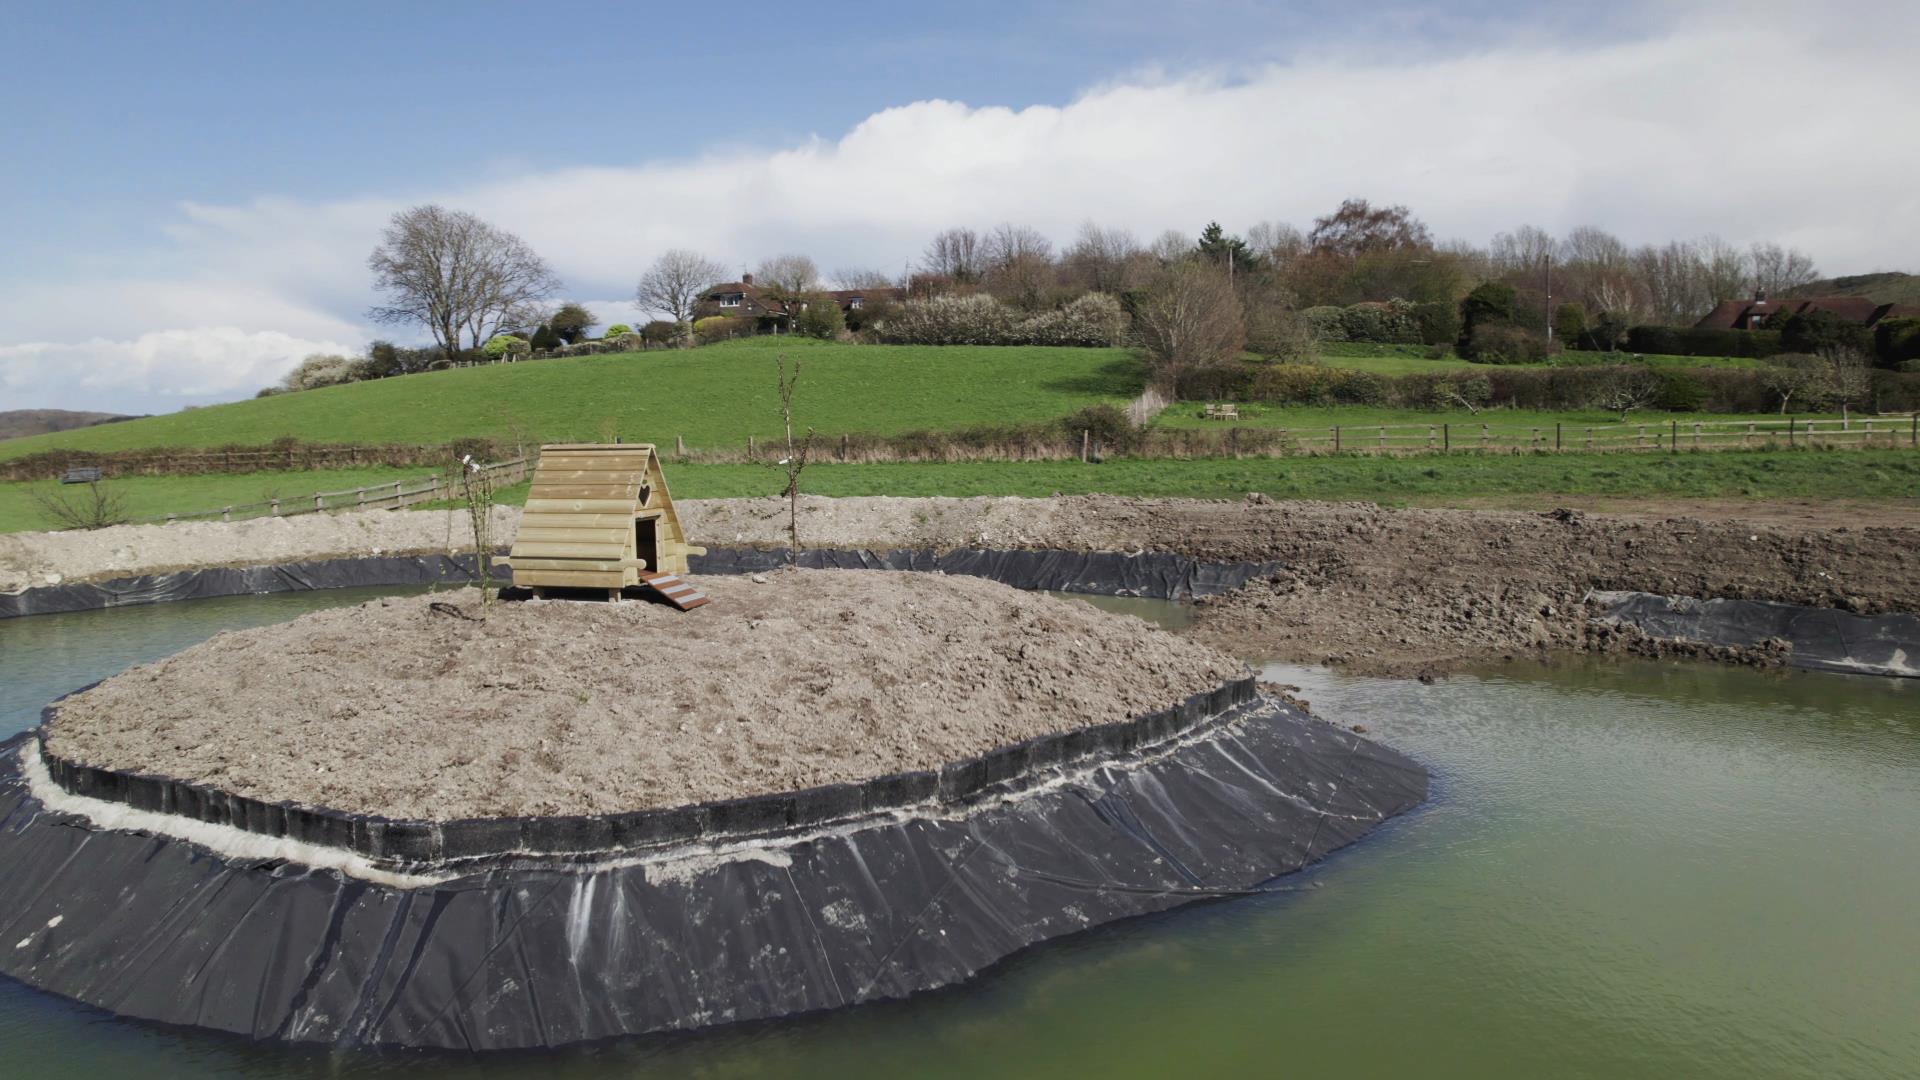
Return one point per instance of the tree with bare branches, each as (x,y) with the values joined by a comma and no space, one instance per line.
(1360,228)
(789,280)
(1188,318)
(94,506)
(956,255)
(793,461)
(457,276)
(674,285)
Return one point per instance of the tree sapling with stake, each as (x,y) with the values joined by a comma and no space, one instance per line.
(794,461)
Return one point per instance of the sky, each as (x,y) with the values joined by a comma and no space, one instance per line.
(189,191)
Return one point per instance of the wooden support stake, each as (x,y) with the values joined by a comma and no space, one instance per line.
(1673,439)
(680,446)
(1086,440)
(1446,436)
(1336,438)
(1556,434)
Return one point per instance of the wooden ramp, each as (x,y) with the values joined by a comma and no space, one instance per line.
(676,590)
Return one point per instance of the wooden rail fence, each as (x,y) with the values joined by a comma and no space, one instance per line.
(397,495)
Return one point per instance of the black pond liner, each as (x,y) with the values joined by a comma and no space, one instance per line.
(539,952)
(1823,639)
(1155,574)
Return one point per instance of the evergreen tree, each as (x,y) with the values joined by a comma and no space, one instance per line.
(544,338)
(1218,247)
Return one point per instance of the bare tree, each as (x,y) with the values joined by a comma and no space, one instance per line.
(1170,247)
(1019,265)
(1729,272)
(1797,375)
(1360,228)
(788,280)
(453,273)
(1278,242)
(94,506)
(1102,260)
(793,462)
(1778,270)
(1190,317)
(1521,255)
(1850,381)
(956,255)
(674,285)
(476,494)
(863,278)
(1674,279)
(1627,389)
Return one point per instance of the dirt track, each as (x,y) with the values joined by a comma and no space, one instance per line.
(1400,591)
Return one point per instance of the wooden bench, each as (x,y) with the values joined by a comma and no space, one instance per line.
(1223,412)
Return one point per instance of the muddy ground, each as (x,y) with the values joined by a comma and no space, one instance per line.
(417,707)
(1407,591)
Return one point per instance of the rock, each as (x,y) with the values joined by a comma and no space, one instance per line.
(759,579)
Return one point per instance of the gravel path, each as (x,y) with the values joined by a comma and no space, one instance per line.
(403,708)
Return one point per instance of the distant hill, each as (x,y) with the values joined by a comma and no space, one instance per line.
(41,421)
(1887,287)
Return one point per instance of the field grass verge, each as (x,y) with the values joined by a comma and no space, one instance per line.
(152,496)
(714,396)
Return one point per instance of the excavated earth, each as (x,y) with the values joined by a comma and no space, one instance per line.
(429,708)
(1395,591)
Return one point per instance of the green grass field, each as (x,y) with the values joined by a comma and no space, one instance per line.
(1857,475)
(713,396)
(1853,474)
(152,496)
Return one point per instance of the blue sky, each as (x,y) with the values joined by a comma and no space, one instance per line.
(191,188)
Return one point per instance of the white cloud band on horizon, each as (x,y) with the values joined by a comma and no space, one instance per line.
(1720,124)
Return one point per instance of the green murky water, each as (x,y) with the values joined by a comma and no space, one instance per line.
(1627,870)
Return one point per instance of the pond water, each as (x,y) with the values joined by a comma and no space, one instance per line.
(1626,870)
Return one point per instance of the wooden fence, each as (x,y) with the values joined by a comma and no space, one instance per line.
(394,496)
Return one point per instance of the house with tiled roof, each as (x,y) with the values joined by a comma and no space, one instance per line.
(744,300)
(1753,314)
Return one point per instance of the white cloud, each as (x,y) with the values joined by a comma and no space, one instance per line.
(154,372)
(1719,122)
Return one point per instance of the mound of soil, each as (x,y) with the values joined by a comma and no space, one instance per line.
(420,708)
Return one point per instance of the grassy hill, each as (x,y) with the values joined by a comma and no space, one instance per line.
(16,423)
(1887,287)
(714,396)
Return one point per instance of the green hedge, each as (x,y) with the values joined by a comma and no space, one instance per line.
(1690,341)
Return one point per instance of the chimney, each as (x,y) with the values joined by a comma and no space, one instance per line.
(746,279)
(1759,296)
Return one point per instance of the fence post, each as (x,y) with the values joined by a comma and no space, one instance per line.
(1916,429)
(316,502)
(1673,439)
(359,496)
(275,507)
(1086,438)
(1556,434)
(1336,438)
(1790,441)
(680,446)
(1446,436)
(844,438)
(749,446)
(226,513)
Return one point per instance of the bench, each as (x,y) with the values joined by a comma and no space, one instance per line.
(1223,412)
(81,476)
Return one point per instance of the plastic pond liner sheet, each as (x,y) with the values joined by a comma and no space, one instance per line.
(1823,639)
(543,932)
(1158,575)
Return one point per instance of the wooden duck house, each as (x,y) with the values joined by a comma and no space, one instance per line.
(599,517)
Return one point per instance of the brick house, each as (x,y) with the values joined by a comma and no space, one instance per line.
(744,300)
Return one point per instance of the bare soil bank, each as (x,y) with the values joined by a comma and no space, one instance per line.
(411,708)
(1395,591)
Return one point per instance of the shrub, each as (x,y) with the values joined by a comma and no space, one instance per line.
(660,332)
(1909,366)
(1437,323)
(1107,424)
(319,370)
(616,330)
(1388,323)
(1679,392)
(1095,319)
(1691,341)
(1488,304)
(501,345)
(1189,317)
(1822,331)
(544,339)
(1326,323)
(820,317)
(978,319)
(1570,323)
(719,328)
(1897,342)
(1503,343)
(570,323)
(1801,378)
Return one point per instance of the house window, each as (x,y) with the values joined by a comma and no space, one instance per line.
(730,299)
(853,304)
